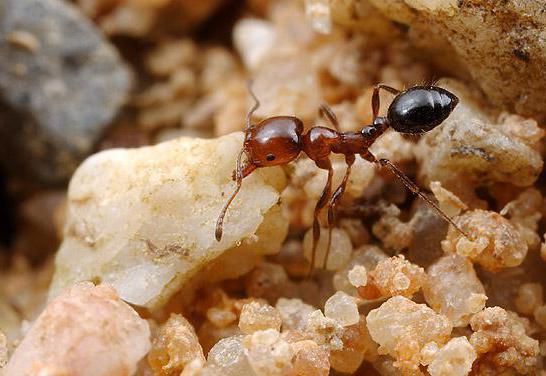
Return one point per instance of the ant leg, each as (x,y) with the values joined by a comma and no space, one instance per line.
(324,164)
(239,175)
(375,97)
(254,108)
(349,159)
(326,111)
(414,188)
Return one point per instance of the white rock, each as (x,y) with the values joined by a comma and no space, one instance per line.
(477,146)
(86,331)
(143,220)
(3,350)
(433,5)
(254,38)
(294,313)
(319,13)
(358,276)
(342,308)
(458,304)
(268,353)
(402,328)
(454,359)
(340,248)
(228,357)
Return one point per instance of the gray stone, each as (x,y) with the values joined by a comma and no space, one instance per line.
(61,84)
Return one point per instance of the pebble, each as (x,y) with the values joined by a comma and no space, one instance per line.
(89,331)
(61,82)
(143,220)
(342,308)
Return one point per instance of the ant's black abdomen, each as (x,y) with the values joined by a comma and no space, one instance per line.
(420,109)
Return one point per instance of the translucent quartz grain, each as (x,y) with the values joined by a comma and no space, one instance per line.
(448,202)
(342,308)
(540,315)
(174,346)
(501,342)
(310,359)
(367,256)
(319,13)
(268,353)
(221,317)
(455,358)
(402,327)
(259,316)
(209,334)
(324,330)
(294,313)
(525,212)
(268,281)
(340,249)
(253,39)
(428,352)
(495,243)
(358,276)
(529,298)
(453,289)
(357,347)
(394,233)
(393,276)
(228,357)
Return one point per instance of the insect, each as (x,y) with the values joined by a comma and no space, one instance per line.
(279,140)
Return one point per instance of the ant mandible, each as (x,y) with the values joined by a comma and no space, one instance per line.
(279,140)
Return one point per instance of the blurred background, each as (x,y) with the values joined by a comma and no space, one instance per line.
(81,76)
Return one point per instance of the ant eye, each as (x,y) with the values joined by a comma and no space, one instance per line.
(270,157)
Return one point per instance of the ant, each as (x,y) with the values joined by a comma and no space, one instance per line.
(279,140)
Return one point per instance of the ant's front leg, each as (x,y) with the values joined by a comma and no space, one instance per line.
(326,112)
(338,193)
(324,164)
(375,97)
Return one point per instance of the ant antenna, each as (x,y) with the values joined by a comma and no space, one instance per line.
(239,177)
(249,84)
(415,189)
(239,174)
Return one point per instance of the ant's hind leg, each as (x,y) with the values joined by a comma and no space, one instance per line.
(414,188)
(375,97)
(324,164)
(326,111)
(349,159)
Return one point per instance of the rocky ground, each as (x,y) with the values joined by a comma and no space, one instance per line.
(121,122)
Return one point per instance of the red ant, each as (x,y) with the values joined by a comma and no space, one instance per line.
(279,140)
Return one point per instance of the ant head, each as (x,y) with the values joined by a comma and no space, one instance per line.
(274,141)
(421,109)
